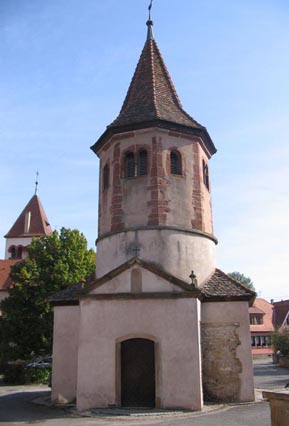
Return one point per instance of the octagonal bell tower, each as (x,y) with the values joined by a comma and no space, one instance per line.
(154,186)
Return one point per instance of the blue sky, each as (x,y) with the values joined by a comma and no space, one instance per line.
(64,71)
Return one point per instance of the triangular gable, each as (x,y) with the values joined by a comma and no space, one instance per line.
(39,224)
(126,279)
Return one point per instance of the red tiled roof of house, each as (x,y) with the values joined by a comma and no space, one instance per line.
(254,310)
(152,100)
(39,224)
(5,267)
(267,308)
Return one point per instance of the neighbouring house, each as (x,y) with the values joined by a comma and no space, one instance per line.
(261,327)
(31,223)
(5,280)
(281,314)
(160,326)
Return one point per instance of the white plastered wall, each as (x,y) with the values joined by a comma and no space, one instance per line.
(22,241)
(177,252)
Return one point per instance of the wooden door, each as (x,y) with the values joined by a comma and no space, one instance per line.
(138,373)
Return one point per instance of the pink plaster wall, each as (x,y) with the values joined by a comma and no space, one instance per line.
(172,324)
(65,352)
(150,282)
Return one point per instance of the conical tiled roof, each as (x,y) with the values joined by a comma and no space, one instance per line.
(38,222)
(152,100)
(151,94)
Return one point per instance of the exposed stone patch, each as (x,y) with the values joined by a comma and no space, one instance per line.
(221,366)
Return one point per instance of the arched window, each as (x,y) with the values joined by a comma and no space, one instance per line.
(105,177)
(142,163)
(19,252)
(129,165)
(175,163)
(206,174)
(13,252)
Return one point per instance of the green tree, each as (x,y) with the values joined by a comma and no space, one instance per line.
(280,341)
(246,281)
(53,263)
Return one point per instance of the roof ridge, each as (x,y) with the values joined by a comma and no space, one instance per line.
(151,42)
(167,75)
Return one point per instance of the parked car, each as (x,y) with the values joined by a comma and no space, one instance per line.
(44,363)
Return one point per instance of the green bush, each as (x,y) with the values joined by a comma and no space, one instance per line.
(17,374)
(280,341)
(36,375)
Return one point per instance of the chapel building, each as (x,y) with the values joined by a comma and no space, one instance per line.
(160,326)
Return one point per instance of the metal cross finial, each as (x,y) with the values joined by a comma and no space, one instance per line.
(150,6)
(194,279)
(150,23)
(36,183)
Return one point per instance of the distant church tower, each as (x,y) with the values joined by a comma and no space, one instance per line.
(31,223)
(155,198)
(160,326)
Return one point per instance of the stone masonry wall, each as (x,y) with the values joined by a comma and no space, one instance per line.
(220,364)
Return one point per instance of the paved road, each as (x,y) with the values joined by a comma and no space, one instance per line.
(269,376)
(17,409)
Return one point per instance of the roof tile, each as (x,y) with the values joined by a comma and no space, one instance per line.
(221,286)
(151,94)
(5,268)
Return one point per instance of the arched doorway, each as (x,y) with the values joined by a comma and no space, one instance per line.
(138,373)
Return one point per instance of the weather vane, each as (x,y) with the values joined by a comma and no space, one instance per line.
(36,183)
(150,6)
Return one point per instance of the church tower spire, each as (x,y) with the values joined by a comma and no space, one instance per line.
(32,222)
(155,200)
(152,100)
